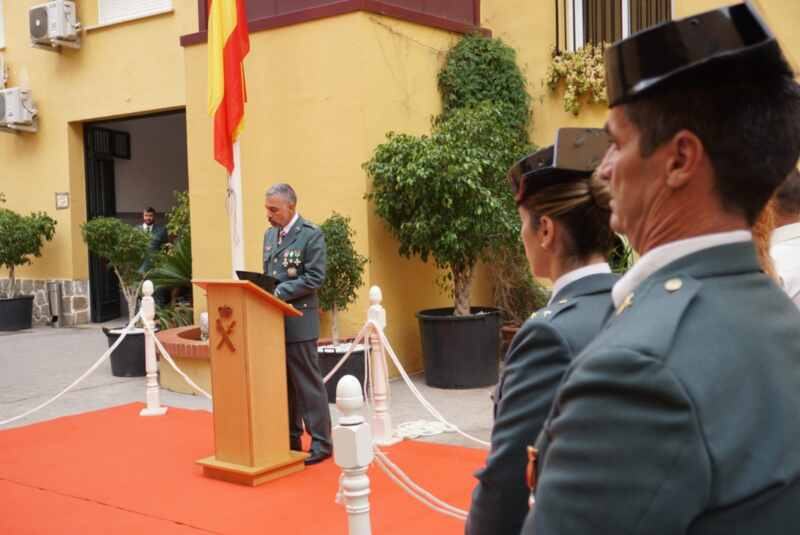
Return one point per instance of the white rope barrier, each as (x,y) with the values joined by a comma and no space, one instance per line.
(359,337)
(92,368)
(168,358)
(401,478)
(425,403)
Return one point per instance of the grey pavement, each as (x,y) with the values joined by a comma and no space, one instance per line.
(38,363)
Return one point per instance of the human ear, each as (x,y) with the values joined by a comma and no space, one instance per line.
(686,153)
(546,234)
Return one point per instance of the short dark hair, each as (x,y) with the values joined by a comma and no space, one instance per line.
(149,210)
(787,198)
(750,131)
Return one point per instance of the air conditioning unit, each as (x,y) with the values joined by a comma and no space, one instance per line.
(54,24)
(17,111)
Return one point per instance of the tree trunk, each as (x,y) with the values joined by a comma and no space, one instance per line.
(129,294)
(462,283)
(12,283)
(334,328)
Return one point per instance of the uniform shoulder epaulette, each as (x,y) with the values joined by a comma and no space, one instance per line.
(657,311)
(309,224)
(554,309)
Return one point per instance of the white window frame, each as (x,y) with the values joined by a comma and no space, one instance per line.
(106,16)
(575,37)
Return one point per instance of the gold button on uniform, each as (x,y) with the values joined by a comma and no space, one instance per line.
(627,302)
(673,285)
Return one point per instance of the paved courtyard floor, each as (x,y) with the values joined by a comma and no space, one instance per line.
(36,364)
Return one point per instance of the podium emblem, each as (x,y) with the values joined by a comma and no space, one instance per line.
(225,315)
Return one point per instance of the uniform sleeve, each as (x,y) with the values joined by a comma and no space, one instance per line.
(535,364)
(313,273)
(625,453)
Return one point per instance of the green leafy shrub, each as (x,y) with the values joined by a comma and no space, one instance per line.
(178,224)
(22,237)
(518,294)
(446,196)
(125,248)
(173,269)
(344,273)
(478,69)
(174,315)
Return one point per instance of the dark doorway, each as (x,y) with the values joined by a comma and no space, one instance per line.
(102,146)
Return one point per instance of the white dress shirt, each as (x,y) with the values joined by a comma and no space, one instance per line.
(662,255)
(785,252)
(575,274)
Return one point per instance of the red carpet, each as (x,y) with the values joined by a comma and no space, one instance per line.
(112,471)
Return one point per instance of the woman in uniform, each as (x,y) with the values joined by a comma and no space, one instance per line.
(567,238)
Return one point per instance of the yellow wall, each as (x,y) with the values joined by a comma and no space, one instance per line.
(124,69)
(322,95)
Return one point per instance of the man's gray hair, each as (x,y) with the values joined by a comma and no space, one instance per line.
(283,190)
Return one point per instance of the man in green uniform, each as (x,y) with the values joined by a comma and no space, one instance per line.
(682,415)
(294,254)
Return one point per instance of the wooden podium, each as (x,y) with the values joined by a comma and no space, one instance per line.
(248,380)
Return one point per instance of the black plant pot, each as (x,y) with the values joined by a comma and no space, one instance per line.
(128,359)
(16,313)
(460,351)
(353,366)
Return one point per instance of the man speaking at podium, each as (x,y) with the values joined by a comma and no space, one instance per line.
(294,254)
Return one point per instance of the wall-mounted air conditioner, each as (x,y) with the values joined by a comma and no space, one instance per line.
(54,24)
(17,111)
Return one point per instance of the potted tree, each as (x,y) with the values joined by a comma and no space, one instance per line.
(126,249)
(445,196)
(21,237)
(344,275)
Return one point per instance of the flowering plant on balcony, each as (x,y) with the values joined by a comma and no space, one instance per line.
(583,73)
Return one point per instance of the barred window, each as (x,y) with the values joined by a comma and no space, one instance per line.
(595,21)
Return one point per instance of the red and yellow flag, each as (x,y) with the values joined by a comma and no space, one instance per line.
(228,44)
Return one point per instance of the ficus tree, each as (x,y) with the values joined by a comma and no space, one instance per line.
(125,248)
(344,273)
(445,196)
(21,239)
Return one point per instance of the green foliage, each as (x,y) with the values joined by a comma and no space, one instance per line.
(516,293)
(22,237)
(478,69)
(173,269)
(622,257)
(344,273)
(178,217)
(446,195)
(583,72)
(172,316)
(124,247)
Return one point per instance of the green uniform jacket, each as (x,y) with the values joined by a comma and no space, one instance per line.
(299,265)
(536,361)
(683,415)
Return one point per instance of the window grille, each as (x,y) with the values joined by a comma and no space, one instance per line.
(111,11)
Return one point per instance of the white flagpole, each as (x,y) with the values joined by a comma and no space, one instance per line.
(235,213)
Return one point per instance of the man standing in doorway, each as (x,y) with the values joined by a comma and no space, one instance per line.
(294,253)
(158,233)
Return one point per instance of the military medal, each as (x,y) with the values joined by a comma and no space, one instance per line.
(292,272)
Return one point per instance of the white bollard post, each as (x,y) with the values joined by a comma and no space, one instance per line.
(154,407)
(381,417)
(352,452)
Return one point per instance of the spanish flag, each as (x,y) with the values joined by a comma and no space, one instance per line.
(228,44)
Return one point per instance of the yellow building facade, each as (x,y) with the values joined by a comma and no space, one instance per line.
(323,90)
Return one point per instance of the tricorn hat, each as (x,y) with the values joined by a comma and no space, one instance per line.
(728,44)
(574,156)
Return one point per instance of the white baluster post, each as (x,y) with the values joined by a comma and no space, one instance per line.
(381,417)
(352,452)
(154,407)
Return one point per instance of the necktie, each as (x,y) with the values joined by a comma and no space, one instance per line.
(281,236)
